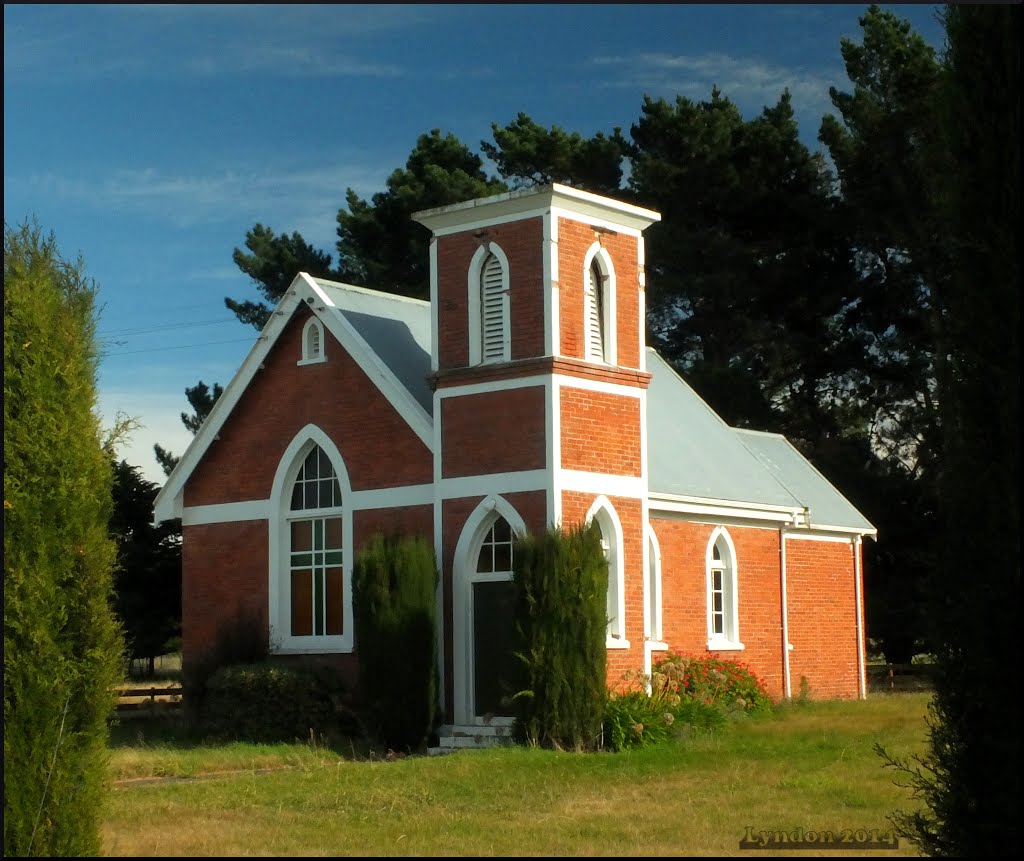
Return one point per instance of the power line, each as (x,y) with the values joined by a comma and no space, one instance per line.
(166,327)
(182,347)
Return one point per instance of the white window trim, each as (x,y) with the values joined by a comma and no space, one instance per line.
(654,605)
(464,575)
(307,357)
(476,267)
(281,642)
(730,641)
(611,531)
(604,264)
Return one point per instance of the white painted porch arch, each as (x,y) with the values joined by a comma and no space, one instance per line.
(463,576)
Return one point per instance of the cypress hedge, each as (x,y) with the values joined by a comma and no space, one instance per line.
(63,649)
(394,588)
(561,582)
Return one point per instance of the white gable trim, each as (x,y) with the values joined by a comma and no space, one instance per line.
(169,501)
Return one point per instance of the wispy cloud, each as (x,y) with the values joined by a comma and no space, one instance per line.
(749,82)
(194,199)
(200,41)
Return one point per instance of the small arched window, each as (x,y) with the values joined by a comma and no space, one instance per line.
(312,342)
(723,603)
(602,513)
(653,587)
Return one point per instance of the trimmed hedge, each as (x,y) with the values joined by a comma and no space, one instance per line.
(561,582)
(270,702)
(394,604)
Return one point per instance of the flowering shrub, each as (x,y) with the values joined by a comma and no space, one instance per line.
(722,682)
(635,718)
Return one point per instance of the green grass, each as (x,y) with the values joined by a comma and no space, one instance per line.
(808,766)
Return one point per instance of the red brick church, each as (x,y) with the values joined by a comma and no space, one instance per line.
(521,395)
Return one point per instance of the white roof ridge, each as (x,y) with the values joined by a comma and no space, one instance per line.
(369,291)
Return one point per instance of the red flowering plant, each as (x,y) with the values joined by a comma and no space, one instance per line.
(639,713)
(711,680)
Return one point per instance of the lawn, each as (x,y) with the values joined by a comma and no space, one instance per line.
(809,766)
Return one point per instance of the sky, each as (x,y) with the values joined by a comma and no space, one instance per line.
(150,138)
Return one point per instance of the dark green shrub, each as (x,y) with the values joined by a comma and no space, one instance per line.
(271,702)
(63,649)
(561,581)
(394,595)
(729,684)
(243,640)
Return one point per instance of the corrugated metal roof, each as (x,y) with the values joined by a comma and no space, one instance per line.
(691,451)
(396,328)
(826,505)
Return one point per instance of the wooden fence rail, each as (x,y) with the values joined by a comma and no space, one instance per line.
(900,677)
(148,701)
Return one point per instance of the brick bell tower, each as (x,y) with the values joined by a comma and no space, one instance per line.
(538,361)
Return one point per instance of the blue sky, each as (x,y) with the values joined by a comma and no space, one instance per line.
(150,138)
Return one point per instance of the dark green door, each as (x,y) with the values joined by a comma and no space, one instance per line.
(495,667)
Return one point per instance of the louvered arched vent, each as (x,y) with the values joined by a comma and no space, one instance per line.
(492,311)
(595,315)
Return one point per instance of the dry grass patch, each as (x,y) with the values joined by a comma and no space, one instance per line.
(808,766)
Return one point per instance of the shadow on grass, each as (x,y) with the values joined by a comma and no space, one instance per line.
(173,732)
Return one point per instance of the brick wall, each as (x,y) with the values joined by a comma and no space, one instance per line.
(600,431)
(405,520)
(574,241)
(822,604)
(522,244)
(501,431)
(378,446)
(224,575)
(684,594)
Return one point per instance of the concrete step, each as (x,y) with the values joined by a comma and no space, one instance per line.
(451,738)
